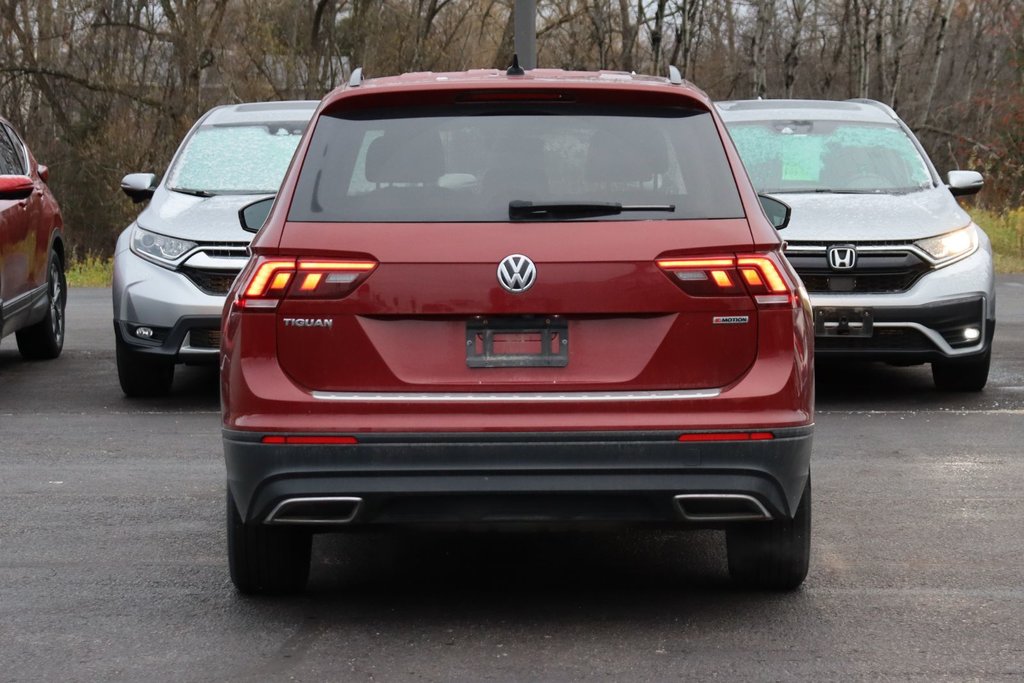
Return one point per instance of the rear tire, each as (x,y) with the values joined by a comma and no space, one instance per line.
(968,374)
(142,377)
(772,555)
(45,339)
(266,559)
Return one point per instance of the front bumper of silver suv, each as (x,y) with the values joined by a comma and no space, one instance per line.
(900,309)
(173,314)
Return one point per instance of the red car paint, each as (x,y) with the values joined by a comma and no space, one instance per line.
(30,228)
(636,329)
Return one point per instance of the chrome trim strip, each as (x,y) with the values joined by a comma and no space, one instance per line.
(937,339)
(761,515)
(514,397)
(187,348)
(203,261)
(862,248)
(798,248)
(358,505)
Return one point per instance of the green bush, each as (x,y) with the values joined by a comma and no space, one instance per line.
(1006,230)
(90,271)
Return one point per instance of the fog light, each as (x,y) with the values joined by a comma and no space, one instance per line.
(144,332)
(972,334)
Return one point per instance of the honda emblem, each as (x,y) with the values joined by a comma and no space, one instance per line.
(842,257)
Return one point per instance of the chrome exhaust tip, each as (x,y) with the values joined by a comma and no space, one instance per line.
(315,510)
(721,507)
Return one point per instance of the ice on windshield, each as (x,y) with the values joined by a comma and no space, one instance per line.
(823,155)
(249,159)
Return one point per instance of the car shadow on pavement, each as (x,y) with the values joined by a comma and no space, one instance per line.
(463,567)
(860,385)
(545,580)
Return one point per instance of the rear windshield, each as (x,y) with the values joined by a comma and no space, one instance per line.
(468,165)
(829,156)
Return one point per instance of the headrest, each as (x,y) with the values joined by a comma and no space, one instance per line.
(395,158)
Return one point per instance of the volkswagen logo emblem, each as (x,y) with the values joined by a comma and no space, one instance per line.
(516,273)
(842,257)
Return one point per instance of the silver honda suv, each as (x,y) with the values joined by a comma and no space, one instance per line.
(174,265)
(896,270)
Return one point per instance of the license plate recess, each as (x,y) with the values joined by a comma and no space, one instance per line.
(541,342)
(843,322)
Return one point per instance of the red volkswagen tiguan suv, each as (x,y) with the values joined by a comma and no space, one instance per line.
(544,298)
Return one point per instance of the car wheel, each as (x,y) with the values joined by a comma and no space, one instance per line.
(45,339)
(140,376)
(772,555)
(264,558)
(968,374)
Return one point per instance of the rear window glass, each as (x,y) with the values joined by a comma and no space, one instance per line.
(829,156)
(468,164)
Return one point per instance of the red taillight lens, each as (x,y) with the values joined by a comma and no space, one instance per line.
(765,281)
(728,275)
(274,279)
(311,440)
(329,279)
(704,276)
(727,436)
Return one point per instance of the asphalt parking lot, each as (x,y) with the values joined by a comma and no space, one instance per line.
(112,559)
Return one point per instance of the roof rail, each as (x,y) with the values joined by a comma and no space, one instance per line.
(356,79)
(876,104)
(674,77)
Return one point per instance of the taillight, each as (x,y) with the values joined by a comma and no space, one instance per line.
(756,274)
(274,279)
(764,280)
(704,276)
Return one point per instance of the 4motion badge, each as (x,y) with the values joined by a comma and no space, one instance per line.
(731,319)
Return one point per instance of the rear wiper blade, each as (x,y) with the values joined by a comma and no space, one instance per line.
(194,193)
(519,209)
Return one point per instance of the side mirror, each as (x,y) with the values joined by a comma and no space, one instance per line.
(777,212)
(44,172)
(16,186)
(962,183)
(139,186)
(253,216)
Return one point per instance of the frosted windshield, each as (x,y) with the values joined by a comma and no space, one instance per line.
(829,156)
(249,159)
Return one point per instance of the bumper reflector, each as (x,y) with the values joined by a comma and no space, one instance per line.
(311,440)
(727,436)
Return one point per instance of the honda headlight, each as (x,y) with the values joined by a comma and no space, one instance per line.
(951,246)
(159,247)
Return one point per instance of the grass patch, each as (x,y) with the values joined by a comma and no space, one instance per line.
(90,271)
(1006,230)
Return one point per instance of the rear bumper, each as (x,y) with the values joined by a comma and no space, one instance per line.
(467,478)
